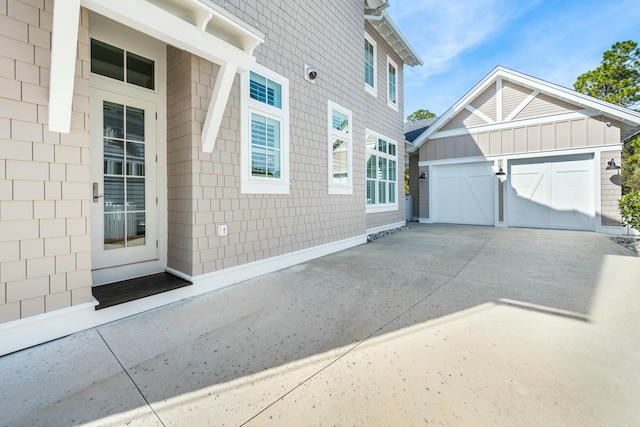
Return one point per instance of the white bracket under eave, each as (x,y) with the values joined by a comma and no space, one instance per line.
(217,105)
(64,45)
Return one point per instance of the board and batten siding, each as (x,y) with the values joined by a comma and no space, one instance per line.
(577,133)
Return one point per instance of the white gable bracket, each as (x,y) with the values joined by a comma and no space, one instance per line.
(64,45)
(499,94)
(480,114)
(217,105)
(523,104)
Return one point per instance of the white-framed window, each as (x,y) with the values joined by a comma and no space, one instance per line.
(370,75)
(382,173)
(392,84)
(265,132)
(340,148)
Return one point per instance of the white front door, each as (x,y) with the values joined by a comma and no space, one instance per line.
(553,193)
(464,193)
(124,211)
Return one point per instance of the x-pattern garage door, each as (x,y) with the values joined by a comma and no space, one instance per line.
(554,193)
(464,193)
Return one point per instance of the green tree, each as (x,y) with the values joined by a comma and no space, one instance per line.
(419,115)
(631,162)
(617,78)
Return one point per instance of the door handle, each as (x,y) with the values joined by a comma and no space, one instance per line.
(96,197)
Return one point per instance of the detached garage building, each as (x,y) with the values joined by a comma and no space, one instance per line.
(517,151)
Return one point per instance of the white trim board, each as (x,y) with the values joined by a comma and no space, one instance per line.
(515,124)
(24,333)
(522,155)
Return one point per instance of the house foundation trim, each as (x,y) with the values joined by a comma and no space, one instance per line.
(24,333)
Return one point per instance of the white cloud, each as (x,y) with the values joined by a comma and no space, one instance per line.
(441,31)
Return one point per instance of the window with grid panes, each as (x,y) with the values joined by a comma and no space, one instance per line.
(265,133)
(382,172)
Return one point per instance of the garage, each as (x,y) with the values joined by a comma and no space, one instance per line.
(464,193)
(555,192)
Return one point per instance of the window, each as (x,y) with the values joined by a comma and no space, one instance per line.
(113,62)
(392,84)
(265,132)
(339,119)
(370,65)
(382,173)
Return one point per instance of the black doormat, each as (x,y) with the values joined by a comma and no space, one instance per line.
(133,289)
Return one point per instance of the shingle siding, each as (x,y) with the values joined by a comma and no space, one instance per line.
(44,178)
(45,258)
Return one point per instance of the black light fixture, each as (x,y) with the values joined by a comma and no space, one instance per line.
(423,175)
(611,165)
(501,172)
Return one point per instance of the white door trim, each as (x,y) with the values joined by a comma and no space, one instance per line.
(111,32)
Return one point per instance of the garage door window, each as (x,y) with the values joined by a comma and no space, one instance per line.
(382,173)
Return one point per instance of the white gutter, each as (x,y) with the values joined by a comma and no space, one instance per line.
(411,58)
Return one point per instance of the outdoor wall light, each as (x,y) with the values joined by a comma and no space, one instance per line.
(310,73)
(611,165)
(423,176)
(501,173)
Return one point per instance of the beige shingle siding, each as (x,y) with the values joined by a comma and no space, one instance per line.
(45,261)
(44,176)
(204,189)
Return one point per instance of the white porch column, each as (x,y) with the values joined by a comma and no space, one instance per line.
(64,45)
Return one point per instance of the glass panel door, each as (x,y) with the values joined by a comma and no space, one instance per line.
(124,209)
(124,176)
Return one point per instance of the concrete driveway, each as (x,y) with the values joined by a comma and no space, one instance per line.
(437,325)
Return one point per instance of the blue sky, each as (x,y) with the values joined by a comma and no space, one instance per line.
(461,41)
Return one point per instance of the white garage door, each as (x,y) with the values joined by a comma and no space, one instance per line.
(464,194)
(552,193)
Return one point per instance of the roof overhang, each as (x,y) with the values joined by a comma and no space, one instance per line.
(197,26)
(629,120)
(385,26)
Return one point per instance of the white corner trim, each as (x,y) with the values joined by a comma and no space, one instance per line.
(217,105)
(64,45)
(480,114)
(522,105)
(20,334)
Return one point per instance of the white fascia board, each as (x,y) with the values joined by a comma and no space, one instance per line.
(521,155)
(519,123)
(162,25)
(556,91)
(64,45)
(217,105)
(570,96)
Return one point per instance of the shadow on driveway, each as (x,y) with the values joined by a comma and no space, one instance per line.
(311,314)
